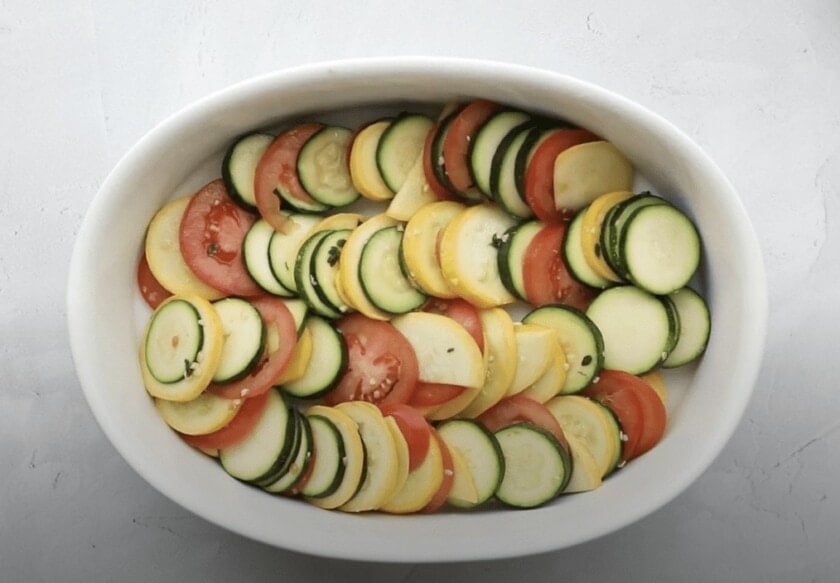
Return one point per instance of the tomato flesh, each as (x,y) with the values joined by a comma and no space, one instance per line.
(545,274)
(278,169)
(237,428)
(211,235)
(539,174)
(381,365)
(415,429)
(439,499)
(462,312)
(150,288)
(653,412)
(431,394)
(517,409)
(264,375)
(456,145)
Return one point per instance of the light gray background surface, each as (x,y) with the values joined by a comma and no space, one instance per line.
(755,83)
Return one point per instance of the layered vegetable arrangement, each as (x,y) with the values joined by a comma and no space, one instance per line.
(367,356)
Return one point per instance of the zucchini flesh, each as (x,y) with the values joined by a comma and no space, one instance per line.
(322,167)
(173,342)
(328,469)
(382,277)
(283,248)
(305,281)
(486,143)
(399,147)
(514,244)
(613,225)
(244,334)
(324,268)
(503,185)
(575,259)
(239,167)
(299,461)
(481,452)
(695,327)
(325,366)
(537,468)
(257,262)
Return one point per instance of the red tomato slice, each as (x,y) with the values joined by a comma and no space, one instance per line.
(439,499)
(653,410)
(517,409)
(211,235)
(616,391)
(431,394)
(278,168)
(264,375)
(546,277)
(150,288)
(539,175)
(462,312)
(456,144)
(382,367)
(438,188)
(415,429)
(236,430)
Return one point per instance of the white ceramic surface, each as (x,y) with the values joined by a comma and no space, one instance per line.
(175,156)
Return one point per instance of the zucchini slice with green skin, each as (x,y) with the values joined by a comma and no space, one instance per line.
(283,248)
(482,454)
(322,167)
(636,327)
(299,461)
(382,277)
(328,468)
(486,143)
(659,248)
(532,142)
(580,338)
(257,262)
(695,327)
(324,268)
(239,167)
(575,259)
(244,334)
(503,184)
(327,363)
(173,341)
(260,456)
(437,149)
(305,281)
(299,310)
(300,206)
(537,467)
(400,145)
(511,256)
(613,224)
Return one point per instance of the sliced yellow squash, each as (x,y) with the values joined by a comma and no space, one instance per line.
(204,414)
(536,347)
(300,359)
(463,492)
(363,168)
(552,380)
(657,381)
(500,359)
(413,195)
(586,475)
(420,246)
(354,456)
(421,485)
(590,232)
(592,425)
(586,171)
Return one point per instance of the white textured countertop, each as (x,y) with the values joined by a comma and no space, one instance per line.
(754,83)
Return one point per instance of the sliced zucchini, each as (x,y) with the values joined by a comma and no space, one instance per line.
(420,486)
(352,461)
(399,147)
(695,327)
(613,224)
(588,170)
(305,281)
(537,467)
(323,169)
(503,185)
(659,248)
(382,278)
(590,232)
(255,254)
(586,474)
(283,248)
(299,206)
(469,255)
(299,311)
(326,363)
(594,427)
(240,164)
(437,162)
(533,140)
(413,195)
(328,468)
(364,170)
(266,449)
(204,414)
(299,462)
(482,454)
(244,334)
(324,268)
(636,328)
(511,257)
(486,143)
(575,258)
(580,338)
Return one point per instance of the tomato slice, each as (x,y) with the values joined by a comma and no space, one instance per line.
(211,235)
(547,279)
(431,394)
(280,328)
(462,312)
(439,189)
(456,144)
(236,430)
(278,169)
(439,499)
(616,391)
(539,174)
(517,409)
(150,288)
(382,367)
(415,429)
